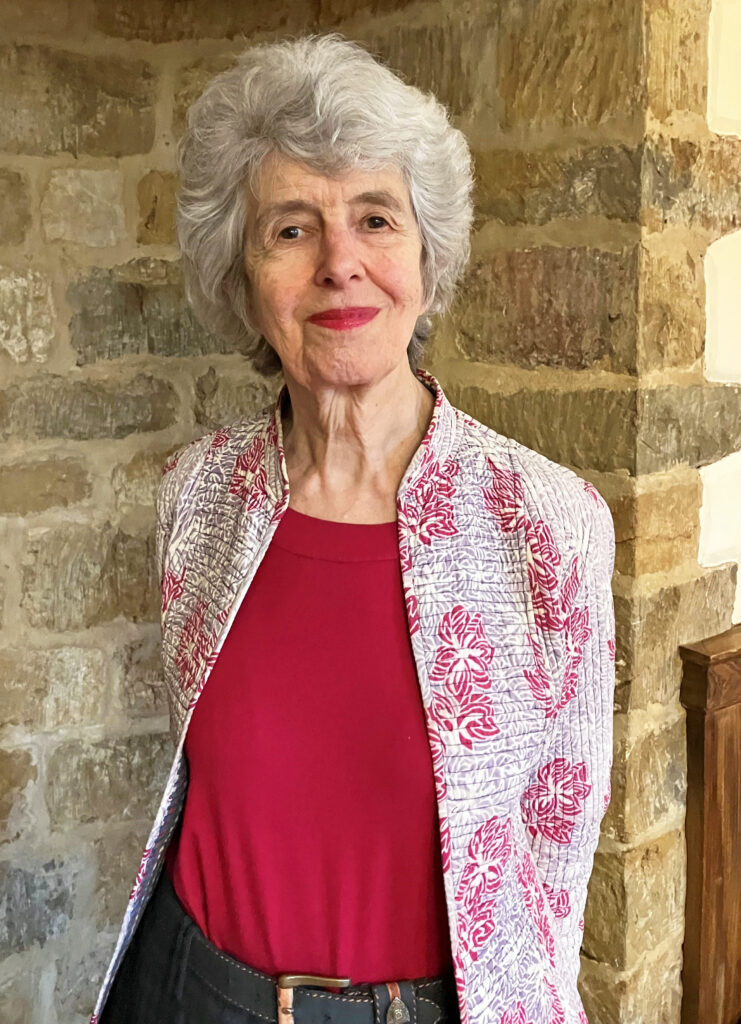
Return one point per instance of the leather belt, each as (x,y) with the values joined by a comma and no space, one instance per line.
(302,998)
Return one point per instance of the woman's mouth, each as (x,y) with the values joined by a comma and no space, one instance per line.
(344,319)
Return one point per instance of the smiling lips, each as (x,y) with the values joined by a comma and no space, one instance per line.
(344,319)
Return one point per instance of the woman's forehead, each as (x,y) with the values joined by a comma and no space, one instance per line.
(283,180)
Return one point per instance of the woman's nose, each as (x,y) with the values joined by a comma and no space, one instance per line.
(339,258)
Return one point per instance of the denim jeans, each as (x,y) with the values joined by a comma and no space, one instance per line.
(172,974)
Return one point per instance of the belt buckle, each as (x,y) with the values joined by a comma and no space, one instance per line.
(292,980)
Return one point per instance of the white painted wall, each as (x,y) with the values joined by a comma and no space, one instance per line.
(720,513)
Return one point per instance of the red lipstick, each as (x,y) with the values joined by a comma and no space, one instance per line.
(344,319)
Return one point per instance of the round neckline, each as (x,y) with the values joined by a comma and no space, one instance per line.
(335,541)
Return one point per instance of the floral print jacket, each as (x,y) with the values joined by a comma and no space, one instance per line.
(507,560)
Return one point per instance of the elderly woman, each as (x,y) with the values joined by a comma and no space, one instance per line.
(384,805)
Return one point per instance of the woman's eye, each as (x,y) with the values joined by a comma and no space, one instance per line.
(289,233)
(377,221)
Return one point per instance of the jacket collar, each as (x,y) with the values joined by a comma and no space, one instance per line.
(438,443)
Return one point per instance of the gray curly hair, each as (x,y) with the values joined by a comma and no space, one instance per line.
(326,102)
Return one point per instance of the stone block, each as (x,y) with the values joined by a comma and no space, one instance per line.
(38,901)
(518,186)
(693,425)
(54,101)
(138,308)
(18,772)
(138,670)
(657,522)
(84,206)
(16,1000)
(569,63)
(53,688)
(649,775)
(27,314)
(156,21)
(118,855)
(550,306)
(190,83)
(676,56)
(650,626)
(333,12)
(671,328)
(649,994)
(80,972)
(75,576)
(20,19)
(156,195)
(640,430)
(453,60)
(51,405)
(136,481)
(28,488)
(225,397)
(693,183)
(117,779)
(636,898)
(590,427)
(15,208)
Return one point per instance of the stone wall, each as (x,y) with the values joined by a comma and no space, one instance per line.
(579,330)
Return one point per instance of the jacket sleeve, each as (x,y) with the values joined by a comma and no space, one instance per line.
(568,791)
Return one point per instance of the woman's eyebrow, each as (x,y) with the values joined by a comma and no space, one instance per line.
(374,198)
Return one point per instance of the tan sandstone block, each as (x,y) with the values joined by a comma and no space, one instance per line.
(649,775)
(116,779)
(692,183)
(671,328)
(550,306)
(54,101)
(190,83)
(18,772)
(16,999)
(517,186)
(452,60)
(585,427)
(85,207)
(140,679)
(49,689)
(651,626)
(136,308)
(136,482)
(21,18)
(52,405)
(657,522)
(676,48)
(15,209)
(569,63)
(156,195)
(225,398)
(27,314)
(118,856)
(75,576)
(29,488)
(649,994)
(636,898)
(157,21)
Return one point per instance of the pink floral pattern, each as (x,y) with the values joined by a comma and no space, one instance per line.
(464,655)
(551,806)
(172,587)
(516,1016)
(535,902)
(427,511)
(249,479)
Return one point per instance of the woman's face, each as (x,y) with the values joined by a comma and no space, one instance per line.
(334,271)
